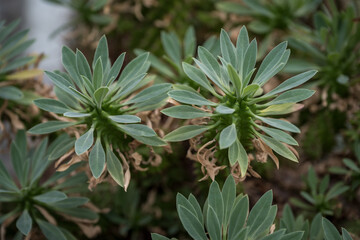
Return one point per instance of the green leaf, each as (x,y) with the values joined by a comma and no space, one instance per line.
(71,202)
(345,234)
(172,47)
(242,44)
(5,179)
(149,93)
(198,76)
(281,124)
(278,147)
(250,90)
(115,69)
(185,133)
(97,159)
(51,197)
(60,82)
(213,224)
(100,94)
(192,200)
(136,67)
(69,62)
(190,98)
(237,153)
(189,42)
(155,236)
(228,195)
(50,126)
(261,215)
(62,145)
(125,119)
(292,82)
(185,112)
(270,62)
(138,130)
(238,217)
(292,96)
(51,105)
(98,74)
(330,231)
(191,224)
(82,65)
(24,223)
(235,79)
(10,93)
(76,114)
(249,62)
(215,200)
(209,65)
(115,168)
(151,141)
(228,136)
(279,135)
(50,231)
(280,109)
(224,109)
(227,48)
(83,143)
(101,53)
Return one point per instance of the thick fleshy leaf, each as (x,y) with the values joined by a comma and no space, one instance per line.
(292,96)
(76,114)
(213,224)
(51,105)
(235,79)
(279,148)
(224,109)
(191,224)
(190,98)
(228,136)
(102,53)
(125,119)
(24,223)
(185,133)
(197,76)
(11,93)
(293,82)
(138,130)
(238,217)
(151,92)
(84,142)
(100,94)
(227,48)
(98,74)
(97,159)
(279,135)
(237,153)
(115,168)
(50,231)
(281,124)
(49,127)
(185,112)
(51,197)
(330,231)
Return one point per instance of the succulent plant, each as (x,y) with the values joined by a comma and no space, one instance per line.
(35,200)
(238,110)
(106,107)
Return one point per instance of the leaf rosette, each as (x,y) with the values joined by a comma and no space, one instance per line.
(239,111)
(108,108)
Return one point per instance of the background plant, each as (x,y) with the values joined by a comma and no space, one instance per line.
(104,106)
(37,201)
(269,16)
(319,196)
(169,68)
(237,117)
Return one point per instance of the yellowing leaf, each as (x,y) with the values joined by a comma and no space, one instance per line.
(26,74)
